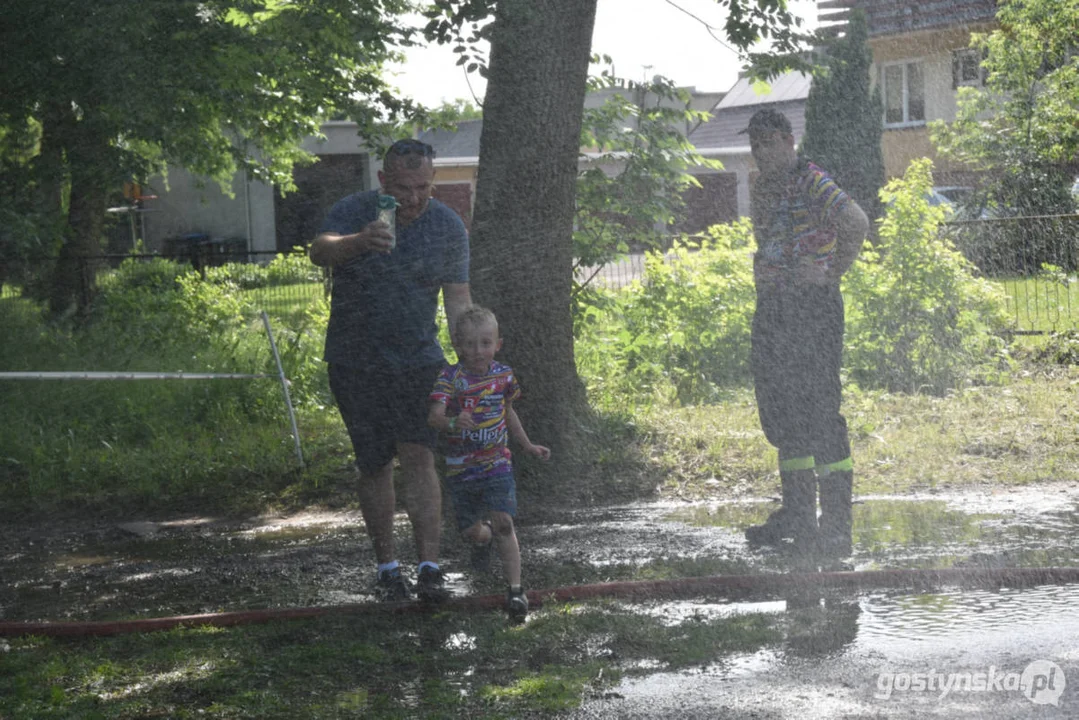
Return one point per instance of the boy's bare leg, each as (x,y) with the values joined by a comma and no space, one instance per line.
(377,502)
(508,549)
(479,533)
(423,498)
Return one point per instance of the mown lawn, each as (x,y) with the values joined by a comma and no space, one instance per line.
(1042,304)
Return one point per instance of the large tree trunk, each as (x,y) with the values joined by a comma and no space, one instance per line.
(523,224)
(79,261)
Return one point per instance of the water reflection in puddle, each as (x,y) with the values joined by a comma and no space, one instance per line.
(833,652)
(995,622)
(676,613)
(1020,528)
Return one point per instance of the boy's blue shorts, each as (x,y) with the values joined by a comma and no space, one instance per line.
(474,499)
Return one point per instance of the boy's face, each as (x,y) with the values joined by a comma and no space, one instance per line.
(476,346)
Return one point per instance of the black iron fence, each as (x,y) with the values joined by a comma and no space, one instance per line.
(280,283)
(283,284)
(1033,259)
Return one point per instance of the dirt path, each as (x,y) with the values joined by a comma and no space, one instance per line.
(150,567)
(155,566)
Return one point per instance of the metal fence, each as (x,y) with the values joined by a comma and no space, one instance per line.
(1033,259)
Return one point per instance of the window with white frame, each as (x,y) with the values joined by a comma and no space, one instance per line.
(902,86)
(967,68)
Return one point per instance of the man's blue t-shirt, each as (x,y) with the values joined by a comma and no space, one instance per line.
(383,306)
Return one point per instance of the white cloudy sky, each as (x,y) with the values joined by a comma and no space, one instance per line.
(643,37)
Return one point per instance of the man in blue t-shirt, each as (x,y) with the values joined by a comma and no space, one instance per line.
(382,348)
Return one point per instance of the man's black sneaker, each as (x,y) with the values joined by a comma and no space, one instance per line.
(517,605)
(391,586)
(431,586)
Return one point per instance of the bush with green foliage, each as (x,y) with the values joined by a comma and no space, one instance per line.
(1062,348)
(284,269)
(161,303)
(154,438)
(680,333)
(917,317)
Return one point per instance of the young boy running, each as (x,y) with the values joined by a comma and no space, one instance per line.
(472,402)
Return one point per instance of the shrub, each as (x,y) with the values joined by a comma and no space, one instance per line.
(917,317)
(1062,348)
(683,330)
(160,303)
(285,269)
(244,276)
(292,267)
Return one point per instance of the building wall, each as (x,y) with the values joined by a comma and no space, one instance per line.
(714,202)
(187,203)
(455,174)
(193,204)
(934,49)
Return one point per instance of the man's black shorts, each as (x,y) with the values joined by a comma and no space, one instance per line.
(382,407)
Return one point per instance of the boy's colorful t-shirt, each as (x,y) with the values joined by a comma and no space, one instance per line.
(482,451)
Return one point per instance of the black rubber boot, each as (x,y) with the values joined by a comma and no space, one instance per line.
(836,498)
(797,518)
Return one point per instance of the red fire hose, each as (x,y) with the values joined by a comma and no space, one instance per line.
(911,580)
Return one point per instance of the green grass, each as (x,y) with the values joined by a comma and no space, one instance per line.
(1013,434)
(440,666)
(130,447)
(1042,304)
(115,445)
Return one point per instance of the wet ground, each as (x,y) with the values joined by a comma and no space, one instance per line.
(952,653)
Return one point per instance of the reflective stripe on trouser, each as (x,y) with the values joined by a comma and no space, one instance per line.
(797,349)
(844,465)
(798,463)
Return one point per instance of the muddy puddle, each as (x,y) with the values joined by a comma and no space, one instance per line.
(846,655)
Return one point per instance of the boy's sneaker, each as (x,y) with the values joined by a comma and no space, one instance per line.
(431,585)
(517,605)
(391,586)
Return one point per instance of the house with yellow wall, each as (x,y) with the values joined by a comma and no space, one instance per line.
(921,56)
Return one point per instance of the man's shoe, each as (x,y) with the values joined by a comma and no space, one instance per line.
(796,519)
(834,545)
(391,586)
(517,605)
(772,531)
(431,585)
